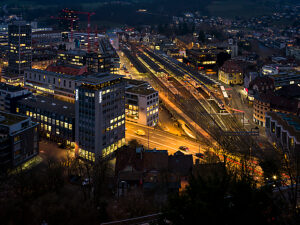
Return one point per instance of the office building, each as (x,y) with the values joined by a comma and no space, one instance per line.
(142,103)
(105,59)
(18,140)
(9,95)
(100,116)
(56,118)
(46,39)
(284,131)
(20,52)
(51,83)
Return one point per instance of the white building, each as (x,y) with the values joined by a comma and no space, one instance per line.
(142,103)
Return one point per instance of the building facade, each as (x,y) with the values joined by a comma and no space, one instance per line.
(20,52)
(231,73)
(100,116)
(57,84)
(142,105)
(268,102)
(19,140)
(56,118)
(9,95)
(284,130)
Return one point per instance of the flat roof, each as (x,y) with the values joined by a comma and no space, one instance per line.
(50,104)
(140,91)
(96,79)
(60,75)
(10,118)
(288,121)
(134,82)
(10,88)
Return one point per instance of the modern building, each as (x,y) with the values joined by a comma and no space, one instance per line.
(9,95)
(269,102)
(142,103)
(100,116)
(105,59)
(20,52)
(201,59)
(284,130)
(231,73)
(287,79)
(51,83)
(46,39)
(56,118)
(19,140)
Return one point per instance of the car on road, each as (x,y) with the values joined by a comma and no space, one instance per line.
(200,155)
(140,132)
(184,148)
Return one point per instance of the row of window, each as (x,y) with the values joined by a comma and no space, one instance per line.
(49,120)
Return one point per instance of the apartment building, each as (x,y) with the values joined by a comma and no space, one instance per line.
(283,130)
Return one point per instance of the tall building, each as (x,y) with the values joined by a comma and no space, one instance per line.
(99,116)
(18,140)
(20,52)
(66,22)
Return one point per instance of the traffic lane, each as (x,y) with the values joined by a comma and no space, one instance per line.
(158,142)
(162,135)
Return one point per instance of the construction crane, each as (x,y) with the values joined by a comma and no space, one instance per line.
(72,20)
(89,14)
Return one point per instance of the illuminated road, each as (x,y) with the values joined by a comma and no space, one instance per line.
(162,140)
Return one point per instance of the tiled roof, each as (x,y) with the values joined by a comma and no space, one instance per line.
(67,69)
(231,66)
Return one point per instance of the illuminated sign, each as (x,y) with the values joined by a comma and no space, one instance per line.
(76,95)
(100,96)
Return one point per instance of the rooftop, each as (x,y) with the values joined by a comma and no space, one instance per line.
(231,66)
(67,69)
(7,119)
(288,122)
(100,78)
(133,82)
(49,104)
(60,75)
(10,88)
(140,90)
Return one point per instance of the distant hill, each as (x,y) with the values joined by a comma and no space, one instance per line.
(125,11)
